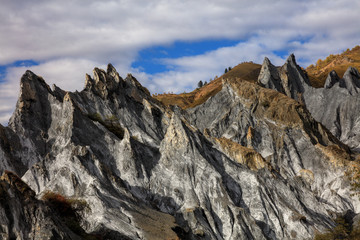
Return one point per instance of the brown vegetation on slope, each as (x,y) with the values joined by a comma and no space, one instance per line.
(277,107)
(242,155)
(247,71)
(340,62)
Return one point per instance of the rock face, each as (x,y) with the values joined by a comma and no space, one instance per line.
(24,217)
(336,105)
(249,163)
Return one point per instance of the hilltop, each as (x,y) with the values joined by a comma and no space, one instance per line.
(247,71)
(339,62)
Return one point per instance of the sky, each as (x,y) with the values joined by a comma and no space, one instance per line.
(168,45)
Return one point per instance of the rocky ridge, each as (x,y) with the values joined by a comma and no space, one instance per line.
(249,163)
(336,105)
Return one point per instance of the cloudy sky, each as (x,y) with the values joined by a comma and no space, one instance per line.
(169,45)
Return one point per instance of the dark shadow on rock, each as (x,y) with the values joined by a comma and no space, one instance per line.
(156,201)
(145,155)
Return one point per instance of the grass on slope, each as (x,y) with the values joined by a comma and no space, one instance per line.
(339,62)
(247,71)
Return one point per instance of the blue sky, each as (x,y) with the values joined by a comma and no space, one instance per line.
(168,45)
(150,61)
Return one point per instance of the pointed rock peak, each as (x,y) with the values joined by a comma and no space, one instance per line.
(103,83)
(331,79)
(267,66)
(131,80)
(29,74)
(351,80)
(88,77)
(89,82)
(30,78)
(32,115)
(269,76)
(291,59)
(32,88)
(111,69)
(351,71)
(267,61)
(99,75)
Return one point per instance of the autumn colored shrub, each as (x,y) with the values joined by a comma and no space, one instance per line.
(69,210)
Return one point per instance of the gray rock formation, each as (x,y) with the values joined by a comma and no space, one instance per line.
(331,80)
(288,79)
(249,163)
(297,148)
(351,81)
(24,217)
(336,105)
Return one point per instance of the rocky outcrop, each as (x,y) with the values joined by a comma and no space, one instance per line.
(331,80)
(249,163)
(289,139)
(24,217)
(12,152)
(288,79)
(336,105)
(351,81)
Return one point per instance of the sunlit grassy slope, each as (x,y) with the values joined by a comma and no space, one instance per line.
(339,62)
(247,71)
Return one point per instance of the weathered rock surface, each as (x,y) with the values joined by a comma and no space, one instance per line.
(249,163)
(299,151)
(336,105)
(24,217)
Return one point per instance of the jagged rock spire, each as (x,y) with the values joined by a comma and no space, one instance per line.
(104,83)
(331,79)
(291,59)
(289,79)
(32,116)
(269,76)
(351,80)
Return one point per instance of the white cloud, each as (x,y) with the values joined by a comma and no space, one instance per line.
(190,70)
(69,37)
(114,30)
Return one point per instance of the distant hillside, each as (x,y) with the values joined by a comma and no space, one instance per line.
(340,62)
(247,71)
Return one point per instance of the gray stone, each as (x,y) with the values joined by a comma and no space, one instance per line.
(336,105)
(249,163)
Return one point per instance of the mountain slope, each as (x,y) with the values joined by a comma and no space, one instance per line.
(336,105)
(340,63)
(247,71)
(248,163)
